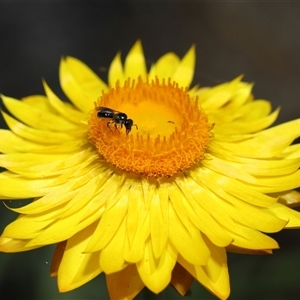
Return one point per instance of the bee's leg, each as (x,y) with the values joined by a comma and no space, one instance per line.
(108,125)
(116,127)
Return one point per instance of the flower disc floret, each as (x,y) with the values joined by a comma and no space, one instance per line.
(171,135)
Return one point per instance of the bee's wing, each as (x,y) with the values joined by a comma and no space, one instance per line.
(111,110)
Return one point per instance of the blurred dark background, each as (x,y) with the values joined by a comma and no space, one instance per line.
(258,39)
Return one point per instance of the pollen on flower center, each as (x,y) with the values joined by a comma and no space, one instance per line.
(169,132)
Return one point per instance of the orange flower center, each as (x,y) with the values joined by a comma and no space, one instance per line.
(168,133)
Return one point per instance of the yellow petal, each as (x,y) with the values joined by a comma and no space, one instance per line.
(289,198)
(57,258)
(59,196)
(54,234)
(109,224)
(27,227)
(45,165)
(85,196)
(291,152)
(166,65)
(241,94)
(249,126)
(181,279)
(233,94)
(258,167)
(82,86)
(159,221)
(252,239)
(16,144)
(135,252)
(255,110)
(138,224)
(35,135)
(135,64)
(67,111)
(213,276)
(124,285)
(35,117)
(76,267)
(40,102)
(235,249)
(11,245)
(268,143)
(15,187)
(210,210)
(34,165)
(115,72)
(279,183)
(136,211)
(228,168)
(190,243)
(292,216)
(217,182)
(202,216)
(156,273)
(184,72)
(111,256)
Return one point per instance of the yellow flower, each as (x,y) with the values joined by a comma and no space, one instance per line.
(152,182)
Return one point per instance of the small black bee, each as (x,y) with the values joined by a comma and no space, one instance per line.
(116,117)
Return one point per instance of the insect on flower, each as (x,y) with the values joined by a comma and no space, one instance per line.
(116,117)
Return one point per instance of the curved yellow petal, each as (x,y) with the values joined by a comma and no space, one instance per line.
(255,110)
(184,72)
(40,102)
(67,111)
(26,228)
(57,258)
(252,239)
(135,64)
(45,165)
(35,135)
(291,152)
(53,234)
(109,224)
(116,72)
(279,183)
(35,117)
(156,273)
(125,284)
(234,94)
(166,65)
(228,169)
(200,214)
(15,144)
(12,245)
(292,216)
(76,267)
(82,86)
(289,198)
(238,127)
(181,279)
(267,143)
(135,213)
(190,243)
(136,250)
(235,249)
(232,195)
(159,221)
(15,187)
(214,275)
(111,256)
(250,112)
